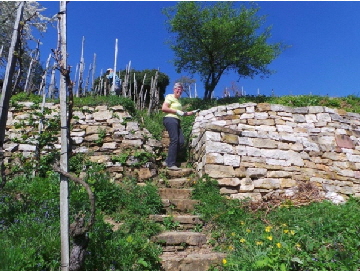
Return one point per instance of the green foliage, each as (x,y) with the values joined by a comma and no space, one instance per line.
(25,97)
(320,236)
(101,136)
(212,39)
(110,101)
(133,158)
(29,222)
(170,223)
(153,122)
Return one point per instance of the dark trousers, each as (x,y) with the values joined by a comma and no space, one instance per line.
(173,127)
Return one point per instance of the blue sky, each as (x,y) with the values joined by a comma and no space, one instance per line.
(324,58)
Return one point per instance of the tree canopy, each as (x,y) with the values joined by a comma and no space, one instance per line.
(213,39)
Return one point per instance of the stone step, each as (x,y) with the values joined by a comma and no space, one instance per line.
(191,262)
(180,205)
(180,182)
(171,238)
(185,221)
(175,193)
(184,172)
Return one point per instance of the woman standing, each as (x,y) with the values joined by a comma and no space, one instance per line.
(171,121)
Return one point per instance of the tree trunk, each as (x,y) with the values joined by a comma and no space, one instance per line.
(81,70)
(64,185)
(34,59)
(93,73)
(43,78)
(114,72)
(6,89)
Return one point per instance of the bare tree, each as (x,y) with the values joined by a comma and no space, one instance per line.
(6,89)
(93,72)
(126,83)
(81,70)
(153,103)
(43,78)
(115,62)
(34,59)
(61,57)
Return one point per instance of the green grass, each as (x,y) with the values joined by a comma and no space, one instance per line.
(29,223)
(319,236)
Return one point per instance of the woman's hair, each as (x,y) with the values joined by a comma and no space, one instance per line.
(177,85)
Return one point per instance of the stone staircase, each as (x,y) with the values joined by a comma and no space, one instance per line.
(185,247)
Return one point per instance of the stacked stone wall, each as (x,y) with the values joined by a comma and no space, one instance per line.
(254,150)
(99,131)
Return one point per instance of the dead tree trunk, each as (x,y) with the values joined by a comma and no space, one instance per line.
(93,73)
(140,97)
(43,78)
(125,85)
(114,72)
(79,228)
(34,59)
(81,70)
(153,91)
(135,95)
(16,81)
(51,89)
(61,57)
(6,89)
(87,81)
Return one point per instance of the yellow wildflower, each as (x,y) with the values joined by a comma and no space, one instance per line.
(259,243)
(242,222)
(298,245)
(269,237)
(224,261)
(233,234)
(292,232)
(284,225)
(268,228)
(242,240)
(248,230)
(278,245)
(231,248)
(129,239)
(286,231)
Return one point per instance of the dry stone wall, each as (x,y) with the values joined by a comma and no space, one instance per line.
(254,150)
(100,131)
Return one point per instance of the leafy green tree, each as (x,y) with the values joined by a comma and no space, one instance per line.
(213,39)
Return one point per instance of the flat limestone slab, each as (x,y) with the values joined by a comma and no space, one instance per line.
(175,193)
(178,237)
(191,262)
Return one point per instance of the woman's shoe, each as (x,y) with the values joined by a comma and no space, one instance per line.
(174,168)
